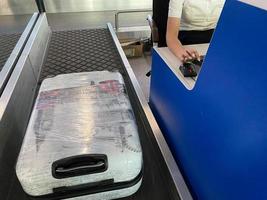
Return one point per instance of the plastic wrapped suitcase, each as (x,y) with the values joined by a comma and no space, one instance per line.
(82,140)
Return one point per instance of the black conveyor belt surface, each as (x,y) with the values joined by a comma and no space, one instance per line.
(7,44)
(90,50)
(80,51)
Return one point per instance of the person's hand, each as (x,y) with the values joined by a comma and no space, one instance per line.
(185,54)
(193,54)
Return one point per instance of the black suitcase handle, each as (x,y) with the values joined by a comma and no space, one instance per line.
(79,165)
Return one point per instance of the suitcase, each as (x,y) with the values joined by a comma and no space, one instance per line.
(82,140)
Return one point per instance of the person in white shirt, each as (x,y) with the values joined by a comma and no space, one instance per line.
(193,21)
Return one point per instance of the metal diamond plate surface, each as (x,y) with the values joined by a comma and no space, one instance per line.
(80,51)
(7,44)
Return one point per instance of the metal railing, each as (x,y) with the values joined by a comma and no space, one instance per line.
(127,11)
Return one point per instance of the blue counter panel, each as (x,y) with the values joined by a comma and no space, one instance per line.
(218,131)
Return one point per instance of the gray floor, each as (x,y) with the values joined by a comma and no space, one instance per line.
(140,67)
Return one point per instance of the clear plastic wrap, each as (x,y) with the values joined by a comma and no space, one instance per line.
(77,114)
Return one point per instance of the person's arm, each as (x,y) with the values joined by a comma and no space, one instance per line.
(174,44)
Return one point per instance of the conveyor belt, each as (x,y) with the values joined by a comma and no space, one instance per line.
(89,50)
(7,44)
(80,51)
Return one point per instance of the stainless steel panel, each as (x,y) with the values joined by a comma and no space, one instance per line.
(13,123)
(55,6)
(38,44)
(13,23)
(8,67)
(15,7)
(11,7)
(85,20)
(15,106)
(132,25)
(171,164)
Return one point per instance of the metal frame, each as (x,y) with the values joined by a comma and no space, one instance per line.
(176,175)
(14,56)
(26,61)
(38,44)
(127,11)
(16,102)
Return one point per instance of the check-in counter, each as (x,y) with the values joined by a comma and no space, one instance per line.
(216,126)
(173,63)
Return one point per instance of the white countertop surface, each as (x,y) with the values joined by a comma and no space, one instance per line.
(257,3)
(173,62)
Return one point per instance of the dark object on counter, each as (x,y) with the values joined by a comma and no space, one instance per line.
(188,69)
(198,62)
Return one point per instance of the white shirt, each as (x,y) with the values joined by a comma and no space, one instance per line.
(196,14)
